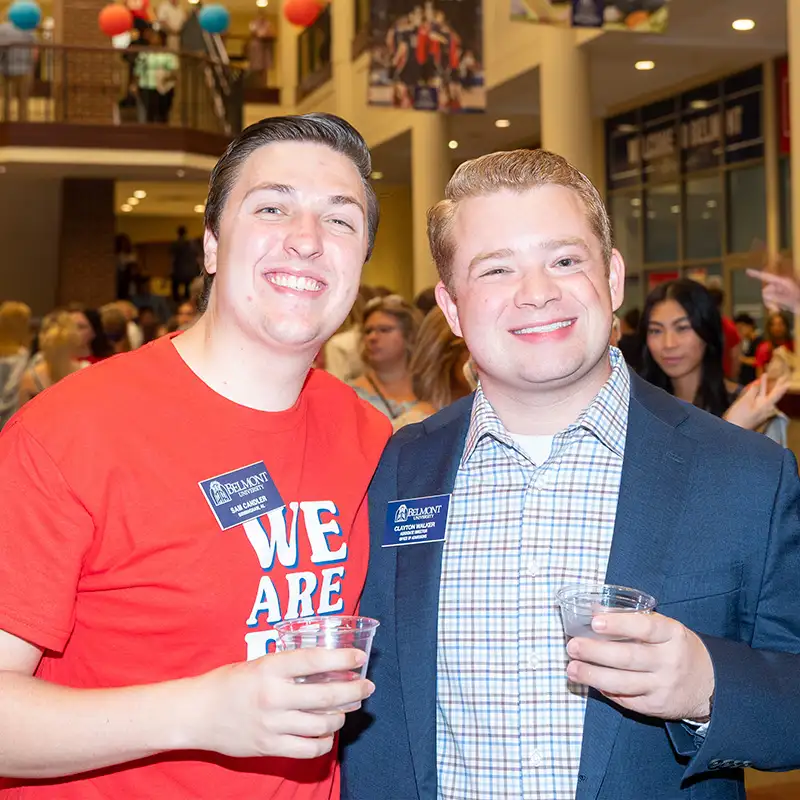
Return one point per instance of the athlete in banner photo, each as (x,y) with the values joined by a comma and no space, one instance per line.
(143,566)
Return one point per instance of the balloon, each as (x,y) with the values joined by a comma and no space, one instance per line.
(115,19)
(302,12)
(25,15)
(214,18)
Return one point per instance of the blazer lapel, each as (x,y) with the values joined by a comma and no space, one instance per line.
(427,466)
(655,478)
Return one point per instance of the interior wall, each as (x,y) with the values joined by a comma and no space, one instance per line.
(29,230)
(392,260)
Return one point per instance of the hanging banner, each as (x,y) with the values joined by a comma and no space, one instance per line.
(427,56)
(641,16)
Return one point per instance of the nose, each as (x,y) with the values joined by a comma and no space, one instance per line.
(303,238)
(536,288)
(670,339)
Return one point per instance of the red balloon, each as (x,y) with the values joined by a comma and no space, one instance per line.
(115,19)
(302,12)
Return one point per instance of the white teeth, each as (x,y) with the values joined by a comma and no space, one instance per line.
(296,282)
(545,328)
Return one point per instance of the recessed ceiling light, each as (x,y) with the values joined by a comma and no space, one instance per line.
(376,176)
(743,24)
(626,128)
(711,203)
(675,209)
(645,65)
(125,207)
(262,3)
(706,215)
(452,144)
(140,194)
(502,123)
(199,209)
(699,105)
(636,201)
(180,173)
(2,169)
(133,201)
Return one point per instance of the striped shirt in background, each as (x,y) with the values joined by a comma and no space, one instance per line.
(508,723)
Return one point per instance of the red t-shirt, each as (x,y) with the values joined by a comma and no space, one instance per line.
(764,353)
(731,338)
(116,485)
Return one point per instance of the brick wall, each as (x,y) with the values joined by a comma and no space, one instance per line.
(86,244)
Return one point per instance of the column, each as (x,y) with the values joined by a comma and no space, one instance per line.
(565,100)
(287,47)
(793,41)
(86,245)
(343,24)
(430,171)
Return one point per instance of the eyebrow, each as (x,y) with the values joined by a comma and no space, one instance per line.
(284,188)
(684,318)
(547,244)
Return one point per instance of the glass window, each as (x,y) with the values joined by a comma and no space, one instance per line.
(747,296)
(626,218)
(703,218)
(747,208)
(785,167)
(662,224)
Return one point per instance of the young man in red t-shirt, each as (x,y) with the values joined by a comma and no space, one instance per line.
(164,509)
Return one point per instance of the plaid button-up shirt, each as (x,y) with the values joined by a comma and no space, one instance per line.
(508,723)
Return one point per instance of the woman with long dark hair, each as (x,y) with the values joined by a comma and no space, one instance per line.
(682,329)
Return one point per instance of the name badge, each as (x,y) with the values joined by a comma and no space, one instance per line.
(416,521)
(241,495)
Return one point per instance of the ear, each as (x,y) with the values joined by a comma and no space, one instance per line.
(209,252)
(616,279)
(449,308)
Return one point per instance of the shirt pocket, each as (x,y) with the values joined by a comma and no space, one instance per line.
(706,601)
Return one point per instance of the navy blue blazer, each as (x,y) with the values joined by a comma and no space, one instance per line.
(708,521)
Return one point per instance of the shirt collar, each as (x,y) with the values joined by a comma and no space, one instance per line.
(606,417)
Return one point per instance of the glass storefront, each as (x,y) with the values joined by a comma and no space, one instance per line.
(687,187)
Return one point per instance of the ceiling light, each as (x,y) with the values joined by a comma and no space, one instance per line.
(636,201)
(743,24)
(376,176)
(452,144)
(699,105)
(706,215)
(125,207)
(140,194)
(199,209)
(675,209)
(626,128)
(133,201)
(180,173)
(262,3)
(502,123)
(2,169)
(711,203)
(645,65)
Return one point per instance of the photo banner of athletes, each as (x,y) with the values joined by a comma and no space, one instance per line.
(427,56)
(640,16)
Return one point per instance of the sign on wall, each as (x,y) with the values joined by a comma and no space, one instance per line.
(427,56)
(640,16)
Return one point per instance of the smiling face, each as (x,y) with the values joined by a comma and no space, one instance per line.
(531,294)
(672,342)
(292,242)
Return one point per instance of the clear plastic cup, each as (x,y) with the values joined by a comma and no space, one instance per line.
(580,602)
(331,633)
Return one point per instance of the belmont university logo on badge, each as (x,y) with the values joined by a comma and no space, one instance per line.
(418,520)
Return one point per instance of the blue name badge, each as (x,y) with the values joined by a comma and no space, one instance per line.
(416,521)
(241,495)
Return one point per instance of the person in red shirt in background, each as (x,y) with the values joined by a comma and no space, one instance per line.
(208,485)
(776,334)
(731,338)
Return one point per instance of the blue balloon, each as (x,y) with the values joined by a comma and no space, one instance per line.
(25,15)
(214,18)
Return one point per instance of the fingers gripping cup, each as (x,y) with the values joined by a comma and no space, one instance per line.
(331,633)
(580,602)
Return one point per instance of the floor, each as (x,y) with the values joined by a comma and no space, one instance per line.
(773,785)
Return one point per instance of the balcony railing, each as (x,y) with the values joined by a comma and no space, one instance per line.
(314,55)
(106,86)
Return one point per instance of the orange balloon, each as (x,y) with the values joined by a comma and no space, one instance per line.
(115,19)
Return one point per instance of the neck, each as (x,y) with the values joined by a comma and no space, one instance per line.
(685,388)
(545,412)
(240,369)
(59,367)
(391,374)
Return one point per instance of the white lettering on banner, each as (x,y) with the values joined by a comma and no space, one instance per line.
(318,532)
(306,594)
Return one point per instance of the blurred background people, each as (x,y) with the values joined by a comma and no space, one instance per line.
(184,265)
(126,262)
(389,337)
(437,369)
(777,333)
(730,336)
(15,341)
(630,341)
(750,341)
(59,345)
(342,353)
(684,355)
(425,301)
(94,345)
(115,325)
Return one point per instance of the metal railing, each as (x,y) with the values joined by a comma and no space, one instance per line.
(105,86)
(314,54)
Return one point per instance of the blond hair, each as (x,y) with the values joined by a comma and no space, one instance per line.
(59,340)
(436,355)
(517,171)
(15,327)
(408,317)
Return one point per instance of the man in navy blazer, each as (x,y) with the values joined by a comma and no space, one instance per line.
(697,512)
